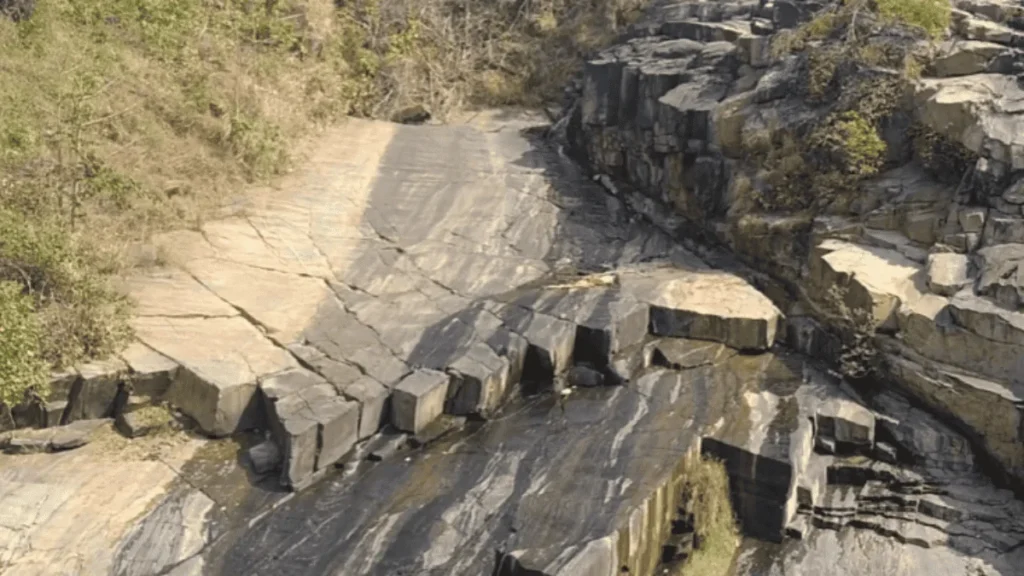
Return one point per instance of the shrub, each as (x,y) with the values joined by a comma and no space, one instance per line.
(22,367)
(931,15)
(706,497)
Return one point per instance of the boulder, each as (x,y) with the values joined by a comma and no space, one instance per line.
(948,273)
(265,457)
(418,400)
(94,393)
(1001,274)
(845,422)
(964,57)
(705,305)
(585,377)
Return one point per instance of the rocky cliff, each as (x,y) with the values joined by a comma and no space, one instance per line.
(867,176)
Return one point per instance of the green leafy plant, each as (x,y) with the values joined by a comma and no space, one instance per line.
(22,368)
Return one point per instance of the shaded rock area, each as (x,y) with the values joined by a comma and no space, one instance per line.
(924,257)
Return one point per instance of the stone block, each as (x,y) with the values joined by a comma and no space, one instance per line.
(94,393)
(972,219)
(845,422)
(296,432)
(419,399)
(948,273)
(479,380)
(374,404)
(338,421)
(151,373)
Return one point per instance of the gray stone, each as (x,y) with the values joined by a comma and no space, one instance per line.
(961,58)
(948,273)
(75,434)
(150,372)
(94,393)
(1015,193)
(387,446)
(585,377)
(29,443)
(374,404)
(265,457)
(1001,274)
(687,304)
(54,412)
(886,452)
(972,219)
(845,422)
(418,400)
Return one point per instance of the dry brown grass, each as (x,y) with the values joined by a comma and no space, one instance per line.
(119,118)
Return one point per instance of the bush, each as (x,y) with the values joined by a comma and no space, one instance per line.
(931,15)
(21,365)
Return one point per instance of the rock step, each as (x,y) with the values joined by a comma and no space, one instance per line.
(55,439)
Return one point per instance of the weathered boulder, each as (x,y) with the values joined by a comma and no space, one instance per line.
(705,305)
(846,423)
(948,273)
(964,57)
(1001,274)
(980,111)
(265,457)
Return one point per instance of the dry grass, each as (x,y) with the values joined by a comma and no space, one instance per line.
(119,118)
(706,497)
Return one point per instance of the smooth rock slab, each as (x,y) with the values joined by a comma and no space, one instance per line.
(845,422)
(216,385)
(419,399)
(705,305)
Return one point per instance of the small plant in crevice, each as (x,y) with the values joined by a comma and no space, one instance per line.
(707,501)
(860,357)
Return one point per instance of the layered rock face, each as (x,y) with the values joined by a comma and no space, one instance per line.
(928,264)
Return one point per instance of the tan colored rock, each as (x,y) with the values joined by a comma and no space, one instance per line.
(964,57)
(216,383)
(879,279)
(283,303)
(982,111)
(175,293)
(948,273)
(705,305)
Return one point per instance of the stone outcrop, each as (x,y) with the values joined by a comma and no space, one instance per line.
(927,266)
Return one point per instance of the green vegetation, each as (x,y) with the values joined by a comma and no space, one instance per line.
(120,118)
(21,365)
(706,497)
(931,15)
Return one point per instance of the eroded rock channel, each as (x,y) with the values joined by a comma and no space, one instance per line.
(452,351)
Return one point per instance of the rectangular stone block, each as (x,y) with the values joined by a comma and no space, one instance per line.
(374,403)
(296,432)
(419,399)
(479,379)
(338,421)
(94,393)
(151,373)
